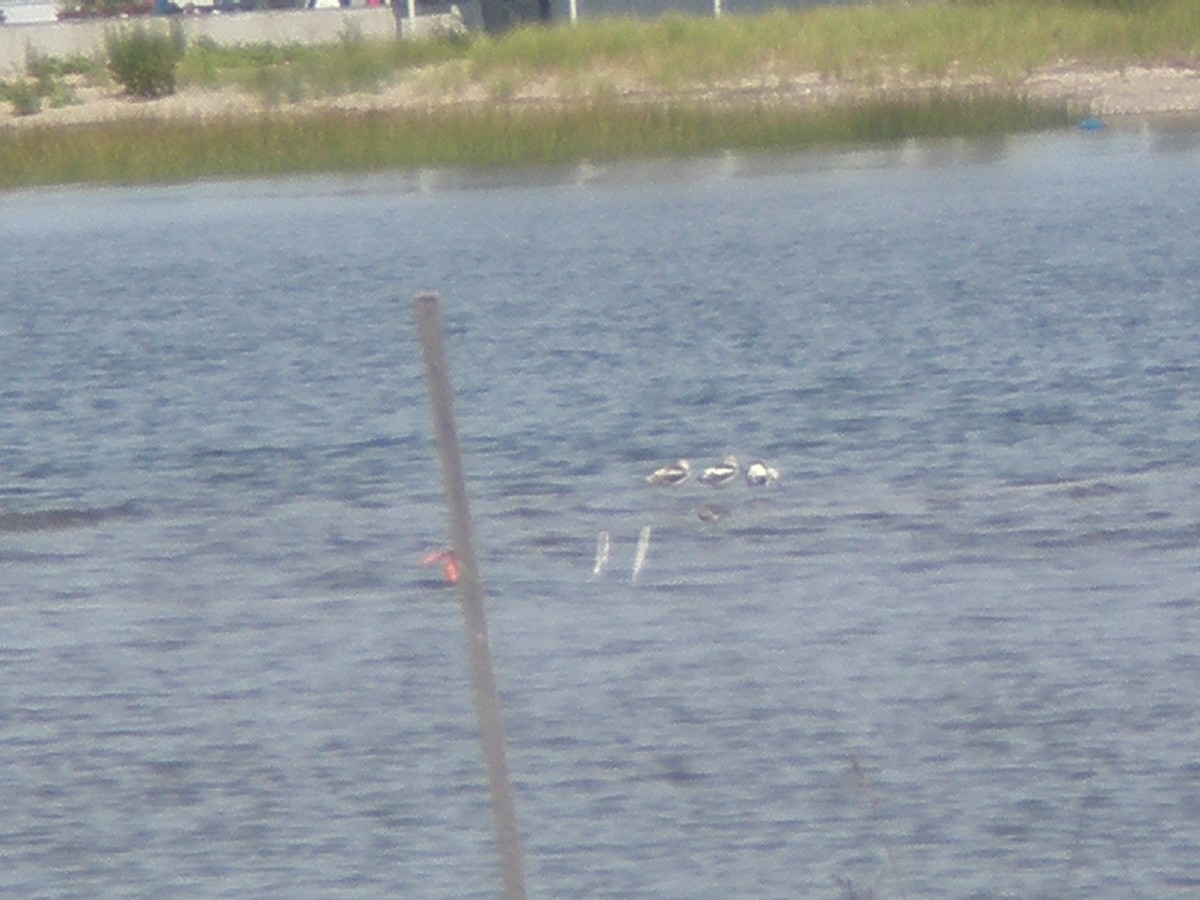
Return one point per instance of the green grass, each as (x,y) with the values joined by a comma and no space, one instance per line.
(140,151)
(872,43)
(997,37)
(292,72)
(44,83)
(593,63)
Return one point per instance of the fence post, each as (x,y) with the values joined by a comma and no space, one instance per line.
(470,590)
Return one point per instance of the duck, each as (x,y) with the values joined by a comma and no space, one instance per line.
(759,474)
(723,473)
(677,473)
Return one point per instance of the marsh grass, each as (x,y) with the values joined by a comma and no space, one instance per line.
(871,43)
(165,151)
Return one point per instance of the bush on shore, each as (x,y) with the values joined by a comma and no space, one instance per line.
(144,61)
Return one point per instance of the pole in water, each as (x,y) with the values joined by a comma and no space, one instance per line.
(470,591)
(639,557)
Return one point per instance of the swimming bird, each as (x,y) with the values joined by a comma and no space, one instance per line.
(759,474)
(715,476)
(670,475)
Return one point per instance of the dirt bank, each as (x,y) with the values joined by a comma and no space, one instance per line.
(1134,90)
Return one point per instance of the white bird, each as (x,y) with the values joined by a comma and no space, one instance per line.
(759,474)
(715,476)
(670,475)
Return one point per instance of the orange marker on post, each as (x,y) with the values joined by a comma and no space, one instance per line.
(449,564)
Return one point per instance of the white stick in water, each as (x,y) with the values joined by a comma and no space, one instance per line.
(639,558)
(602,546)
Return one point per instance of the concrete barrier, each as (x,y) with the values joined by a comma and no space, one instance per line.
(304,26)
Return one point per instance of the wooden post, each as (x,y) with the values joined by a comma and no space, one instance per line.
(470,590)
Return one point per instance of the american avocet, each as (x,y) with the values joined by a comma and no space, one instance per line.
(723,473)
(669,475)
(759,474)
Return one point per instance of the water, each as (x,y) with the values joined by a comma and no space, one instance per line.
(952,653)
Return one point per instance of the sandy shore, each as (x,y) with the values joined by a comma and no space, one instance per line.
(1134,90)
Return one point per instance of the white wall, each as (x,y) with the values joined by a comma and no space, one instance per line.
(302,26)
(15,13)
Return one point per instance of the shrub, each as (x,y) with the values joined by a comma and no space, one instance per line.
(143,61)
(24,97)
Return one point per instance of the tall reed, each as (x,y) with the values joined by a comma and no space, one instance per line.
(872,42)
(940,37)
(272,144)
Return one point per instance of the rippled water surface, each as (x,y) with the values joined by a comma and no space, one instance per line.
(952,653)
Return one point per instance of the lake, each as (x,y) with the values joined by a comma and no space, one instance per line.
(952,652)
